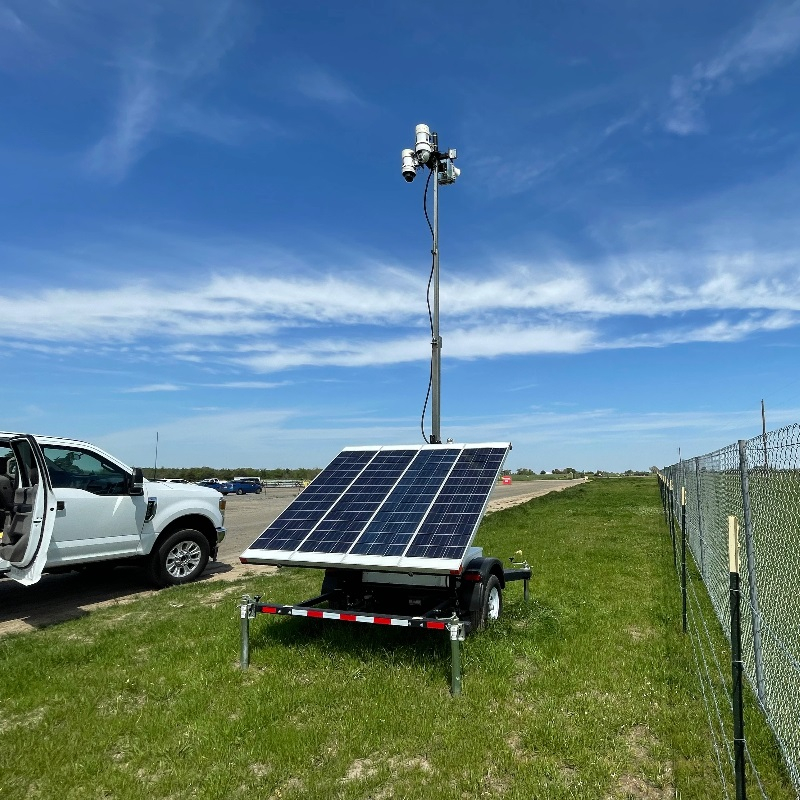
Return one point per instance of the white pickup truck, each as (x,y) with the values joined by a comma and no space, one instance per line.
(65,504)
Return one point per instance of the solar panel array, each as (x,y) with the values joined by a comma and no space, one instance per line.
(393,507)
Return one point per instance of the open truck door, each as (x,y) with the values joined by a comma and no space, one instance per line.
(29,528)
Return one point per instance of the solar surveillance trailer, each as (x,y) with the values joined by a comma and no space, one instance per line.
(443,171)
(392,527)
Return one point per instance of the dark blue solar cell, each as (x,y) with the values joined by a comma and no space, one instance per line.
(450,525)
(342,525)
(393,526)
(292,526)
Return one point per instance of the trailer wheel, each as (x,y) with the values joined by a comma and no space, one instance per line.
(491,605)
(180,558)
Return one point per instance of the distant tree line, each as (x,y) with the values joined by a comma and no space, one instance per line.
(193,474)
(526,473)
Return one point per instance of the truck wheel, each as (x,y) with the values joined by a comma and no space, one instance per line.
(491,605)
(180,558)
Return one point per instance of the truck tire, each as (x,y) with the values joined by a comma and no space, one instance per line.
(180,558)
(491,605)
(240,491)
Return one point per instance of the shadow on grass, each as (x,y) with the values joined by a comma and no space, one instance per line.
(391,646)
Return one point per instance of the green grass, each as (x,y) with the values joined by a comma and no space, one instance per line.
(588,691)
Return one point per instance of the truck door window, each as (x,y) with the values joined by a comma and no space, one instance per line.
(71,468)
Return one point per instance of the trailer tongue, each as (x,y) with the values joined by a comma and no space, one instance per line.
(393,528)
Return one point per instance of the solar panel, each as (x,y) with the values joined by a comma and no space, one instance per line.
(402,508)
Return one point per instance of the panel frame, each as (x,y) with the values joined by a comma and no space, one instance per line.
(402,563)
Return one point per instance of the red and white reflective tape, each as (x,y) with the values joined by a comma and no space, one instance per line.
(343,616)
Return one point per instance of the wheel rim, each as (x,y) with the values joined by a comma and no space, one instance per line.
(493,604)
(183,559)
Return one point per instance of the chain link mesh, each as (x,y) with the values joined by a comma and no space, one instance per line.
(758,482)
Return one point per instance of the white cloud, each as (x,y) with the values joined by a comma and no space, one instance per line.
(541,438)
(155,387)
(248,385)
(772,39)
(135,118)
(321,85)
(160,88)
(9,20)
(225,127)
(252,311)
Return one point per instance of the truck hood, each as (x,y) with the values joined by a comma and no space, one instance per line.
(178,490)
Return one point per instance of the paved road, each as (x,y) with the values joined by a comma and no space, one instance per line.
(57,598)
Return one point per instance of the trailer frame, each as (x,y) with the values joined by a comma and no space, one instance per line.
(441,618)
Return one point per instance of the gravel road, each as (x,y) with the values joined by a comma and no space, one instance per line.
(57,598)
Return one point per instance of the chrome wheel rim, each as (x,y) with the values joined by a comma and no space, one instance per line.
(493,606)
(183,559)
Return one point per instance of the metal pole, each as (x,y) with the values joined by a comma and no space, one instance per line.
(764,434)
(751,572)
(699,518)
(683,553)
(672,524)
(736,658)
(244,611)
(436,341)
(455,664)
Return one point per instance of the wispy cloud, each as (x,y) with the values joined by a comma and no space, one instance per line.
(771,40)
(224,127)
(319,84)
(542,438)
(248,384)
(10,21)
(155,387)
(375,315)
(136,116)
(160,90)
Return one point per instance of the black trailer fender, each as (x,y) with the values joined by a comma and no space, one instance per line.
(474,578)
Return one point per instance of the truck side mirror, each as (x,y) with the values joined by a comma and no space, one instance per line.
(137,482)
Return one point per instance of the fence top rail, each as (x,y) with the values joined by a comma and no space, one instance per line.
(775,450)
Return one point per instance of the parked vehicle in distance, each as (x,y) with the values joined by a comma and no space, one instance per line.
(243,486)
(65,504)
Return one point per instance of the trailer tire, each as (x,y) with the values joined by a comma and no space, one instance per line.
(491,605)
(180,558)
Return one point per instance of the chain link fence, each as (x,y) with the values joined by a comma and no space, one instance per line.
(758,482)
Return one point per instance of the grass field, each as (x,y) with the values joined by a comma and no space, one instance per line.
(588,691)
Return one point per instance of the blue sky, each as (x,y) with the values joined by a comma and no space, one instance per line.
(204,230)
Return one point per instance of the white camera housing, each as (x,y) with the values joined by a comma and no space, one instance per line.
(410,165)
(424,145)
